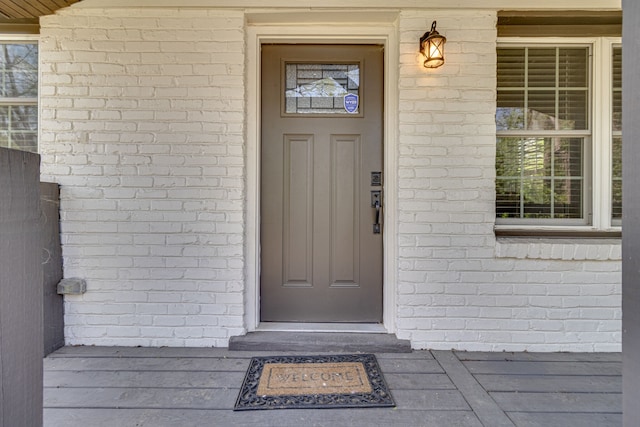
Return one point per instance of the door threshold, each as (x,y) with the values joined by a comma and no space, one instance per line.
(319,342)
(363,328)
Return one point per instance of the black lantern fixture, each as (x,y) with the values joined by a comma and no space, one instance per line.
(432,47)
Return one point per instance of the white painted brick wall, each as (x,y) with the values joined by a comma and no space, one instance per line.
(458,287)
(142,125)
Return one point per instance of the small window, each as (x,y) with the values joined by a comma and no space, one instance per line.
(19,96)
(322,89)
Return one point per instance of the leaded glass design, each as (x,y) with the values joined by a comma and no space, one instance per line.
(321,88)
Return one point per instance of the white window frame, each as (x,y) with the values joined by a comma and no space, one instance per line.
(597,186)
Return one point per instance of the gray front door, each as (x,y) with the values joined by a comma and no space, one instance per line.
(321,250)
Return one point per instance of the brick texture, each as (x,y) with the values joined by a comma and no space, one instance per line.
(457,286)
(142,125)
(143,114)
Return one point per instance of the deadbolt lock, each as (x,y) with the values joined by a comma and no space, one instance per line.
(376,179)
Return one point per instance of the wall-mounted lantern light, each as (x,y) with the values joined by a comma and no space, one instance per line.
(432,47)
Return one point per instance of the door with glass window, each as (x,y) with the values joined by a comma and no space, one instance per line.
(321,183)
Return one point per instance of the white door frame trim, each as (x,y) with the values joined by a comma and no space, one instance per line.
(385,34)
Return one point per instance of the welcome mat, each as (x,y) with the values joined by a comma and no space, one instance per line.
(314,382)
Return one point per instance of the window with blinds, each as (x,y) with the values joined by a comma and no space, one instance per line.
(616,137)
(19,95)
(543,134)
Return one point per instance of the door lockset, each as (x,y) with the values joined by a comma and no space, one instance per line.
(376,203)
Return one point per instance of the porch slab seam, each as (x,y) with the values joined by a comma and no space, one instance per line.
(485,408)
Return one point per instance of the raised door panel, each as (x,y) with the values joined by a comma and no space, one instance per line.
(345,212)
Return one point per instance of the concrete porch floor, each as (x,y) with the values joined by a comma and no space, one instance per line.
(181,387)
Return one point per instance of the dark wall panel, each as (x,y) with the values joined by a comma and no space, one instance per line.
(52,267)
(20,290)
(631,212)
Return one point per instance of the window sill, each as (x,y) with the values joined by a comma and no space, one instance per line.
(558,244)
(555,232)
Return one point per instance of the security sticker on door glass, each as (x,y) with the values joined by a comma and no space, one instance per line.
(351,103)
